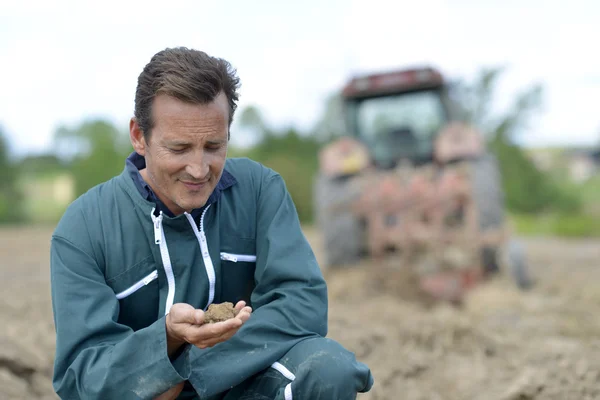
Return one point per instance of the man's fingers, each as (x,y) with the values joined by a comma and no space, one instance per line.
(186,314)
(190,323)
(220,328)
(244,314)
(193,317)
(247,309)
(211,334)
(198,317)
(214,341)
(196,334)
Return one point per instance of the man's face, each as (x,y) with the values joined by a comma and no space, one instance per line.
(186,150)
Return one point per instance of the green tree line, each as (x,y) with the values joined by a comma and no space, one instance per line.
(94,151)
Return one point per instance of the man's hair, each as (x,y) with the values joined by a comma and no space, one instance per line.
(185,74)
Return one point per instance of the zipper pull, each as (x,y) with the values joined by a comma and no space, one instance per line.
(157,229)
(150,278)
(228,257)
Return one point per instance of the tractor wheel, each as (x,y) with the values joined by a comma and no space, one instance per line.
(489,199)
(487,191)
(342,232)
(518,264)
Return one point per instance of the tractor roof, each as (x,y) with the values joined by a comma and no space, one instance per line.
(398,81)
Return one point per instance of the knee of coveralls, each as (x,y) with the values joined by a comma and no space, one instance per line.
(324,370)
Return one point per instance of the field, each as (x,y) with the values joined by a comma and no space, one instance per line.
(502,344)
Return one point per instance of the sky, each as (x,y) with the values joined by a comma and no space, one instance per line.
(62,62)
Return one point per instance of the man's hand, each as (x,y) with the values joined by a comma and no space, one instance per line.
(172,393)
(185,324)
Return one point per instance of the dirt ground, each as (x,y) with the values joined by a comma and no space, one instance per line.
(502,344)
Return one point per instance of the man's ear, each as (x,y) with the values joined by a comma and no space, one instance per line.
(136,135)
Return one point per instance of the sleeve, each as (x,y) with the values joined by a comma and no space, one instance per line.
(96,357)
(289,301)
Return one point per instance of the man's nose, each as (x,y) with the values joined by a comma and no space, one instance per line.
(197,169)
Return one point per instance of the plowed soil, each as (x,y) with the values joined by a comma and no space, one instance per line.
(501,344)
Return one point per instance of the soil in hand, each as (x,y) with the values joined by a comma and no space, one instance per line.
(219,312)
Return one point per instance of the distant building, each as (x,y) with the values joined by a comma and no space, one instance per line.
(47,197)
(583,164)
(543,160)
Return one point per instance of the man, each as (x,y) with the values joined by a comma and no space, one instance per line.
(136,261)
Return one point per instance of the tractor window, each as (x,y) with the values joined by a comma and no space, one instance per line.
(400,126)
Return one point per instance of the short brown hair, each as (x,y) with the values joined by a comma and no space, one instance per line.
(188,75)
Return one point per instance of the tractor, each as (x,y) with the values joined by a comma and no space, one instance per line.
(411,180)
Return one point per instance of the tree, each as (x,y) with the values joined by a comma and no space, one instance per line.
(41,164)
(294,157)
(478,97)
(288,152)
(331,124)
(527,188)
(10,197)
(251,118)
(96,152)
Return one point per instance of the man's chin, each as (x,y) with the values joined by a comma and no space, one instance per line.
(189,207)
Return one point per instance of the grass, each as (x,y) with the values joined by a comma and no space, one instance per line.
(590,194)
(585,223)
(554,224)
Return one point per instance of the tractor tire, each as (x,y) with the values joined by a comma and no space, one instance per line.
(487,192)
(342,232)
(489,199)
(518,264)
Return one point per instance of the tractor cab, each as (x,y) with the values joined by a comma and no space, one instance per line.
(398,115)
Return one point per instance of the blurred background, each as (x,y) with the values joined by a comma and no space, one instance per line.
(524,73)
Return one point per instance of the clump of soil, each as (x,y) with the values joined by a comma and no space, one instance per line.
(219,312)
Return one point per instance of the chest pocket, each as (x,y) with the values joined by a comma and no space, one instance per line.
(138,293)
(238,263)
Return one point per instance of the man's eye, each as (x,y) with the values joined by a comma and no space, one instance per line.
(177,151)
(214,148)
